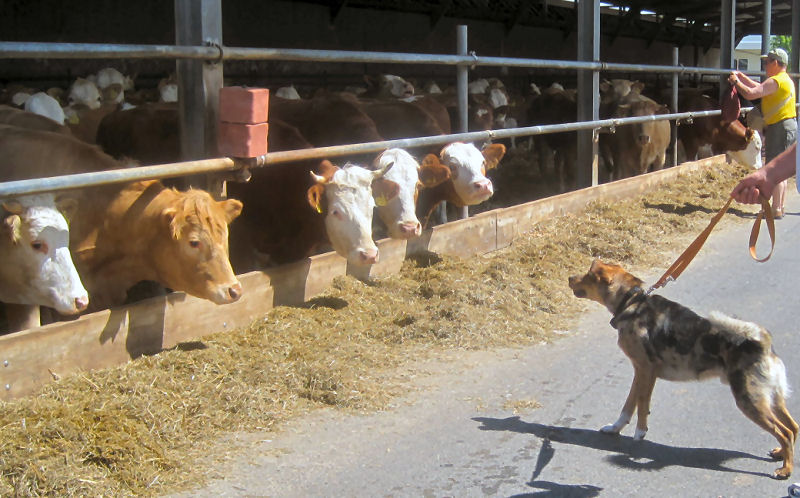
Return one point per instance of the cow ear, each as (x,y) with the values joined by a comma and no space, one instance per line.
(315,196)
(604,86)
(637,86)
(371,81)
(170,217)
(11,226)
(327,169)
(232,209)
(12,206)
(432,172)
(68,206)
(492,155)
(384,190)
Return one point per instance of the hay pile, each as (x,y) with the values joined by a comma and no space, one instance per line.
(150,426)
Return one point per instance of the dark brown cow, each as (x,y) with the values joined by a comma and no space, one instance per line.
(147,133)
(557,151)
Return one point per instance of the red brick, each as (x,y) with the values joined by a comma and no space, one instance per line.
(242,140)
(238,104)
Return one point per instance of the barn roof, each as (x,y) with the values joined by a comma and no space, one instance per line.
(678,22)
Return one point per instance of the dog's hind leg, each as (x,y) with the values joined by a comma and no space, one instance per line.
(757,408)
(783,415)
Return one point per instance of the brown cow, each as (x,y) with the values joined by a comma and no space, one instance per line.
(739,141)
(125,233)
(557,152)
(147,133)
(290,214)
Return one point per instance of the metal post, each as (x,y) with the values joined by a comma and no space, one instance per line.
(199,22)
(766,30)
(462,76)
(673,141)
(588,91)
(726,41)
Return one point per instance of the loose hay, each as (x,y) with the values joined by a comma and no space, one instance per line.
(152,425)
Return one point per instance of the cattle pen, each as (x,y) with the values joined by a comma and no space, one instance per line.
(33,357)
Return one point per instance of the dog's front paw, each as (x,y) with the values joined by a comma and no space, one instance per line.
(639,434)
(611,429)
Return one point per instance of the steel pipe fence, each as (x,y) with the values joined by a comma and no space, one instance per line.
(14,50)
(94,179)
(17,50)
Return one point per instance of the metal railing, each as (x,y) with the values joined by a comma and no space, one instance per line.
(15,50)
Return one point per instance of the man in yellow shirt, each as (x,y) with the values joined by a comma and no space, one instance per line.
(778,105)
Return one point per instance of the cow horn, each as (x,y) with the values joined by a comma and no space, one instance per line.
(318,179)
(382,171)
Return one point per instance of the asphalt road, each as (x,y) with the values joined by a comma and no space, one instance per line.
(459,435)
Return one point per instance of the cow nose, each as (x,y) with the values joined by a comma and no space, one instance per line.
(483,186)
(644,139)
(368,256)
(81,303)
(235,291)
(410,228)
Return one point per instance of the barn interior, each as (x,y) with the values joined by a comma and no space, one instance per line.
(631,32)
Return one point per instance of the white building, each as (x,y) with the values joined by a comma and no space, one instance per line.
(748,53)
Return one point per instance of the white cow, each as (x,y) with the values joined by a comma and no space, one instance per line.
(110,76)
(85,93)
(37,267)
(387,86)
(287,92)
(349,205)
(44,105)
(398,214)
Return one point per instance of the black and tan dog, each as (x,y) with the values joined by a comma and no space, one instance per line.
(665,340)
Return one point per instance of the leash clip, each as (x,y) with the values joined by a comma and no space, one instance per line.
(656,285)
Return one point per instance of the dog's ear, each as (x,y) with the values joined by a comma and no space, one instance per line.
(596,266)
(601,271)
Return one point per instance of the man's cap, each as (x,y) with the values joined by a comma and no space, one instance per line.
(777,54)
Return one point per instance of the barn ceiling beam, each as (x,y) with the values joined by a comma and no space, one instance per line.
(438,13)
(335,9)
(624,22)
(658,29)
(517,17)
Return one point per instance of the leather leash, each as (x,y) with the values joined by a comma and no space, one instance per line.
(688,255)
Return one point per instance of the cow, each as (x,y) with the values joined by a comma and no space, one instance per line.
(637,148)
(399,214)
(387,86)
(294,210)
(122,234)
(45,105)
(37,267)
(740,142)
(555,105)
(17,117)
(147,133)
(328,118)
(460,179)
(84,92)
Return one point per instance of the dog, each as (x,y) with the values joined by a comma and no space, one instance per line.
(665,340)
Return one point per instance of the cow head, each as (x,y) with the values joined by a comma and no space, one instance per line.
(612,91)
(345,196)
(37,267)
(468,168)
(193,253)
(750,153)
(84,92)
(396,193)
(389,86)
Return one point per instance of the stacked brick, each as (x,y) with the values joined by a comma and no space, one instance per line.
(243,127)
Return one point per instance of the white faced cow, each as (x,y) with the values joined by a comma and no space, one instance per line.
(399,214)
(348,194)
(37,268)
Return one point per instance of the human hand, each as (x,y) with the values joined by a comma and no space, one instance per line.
(751,187)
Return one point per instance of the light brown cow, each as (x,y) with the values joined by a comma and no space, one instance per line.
(125,233)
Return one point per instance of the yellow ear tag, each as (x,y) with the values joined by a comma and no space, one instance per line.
(319,209)
(381,200)
(74,119)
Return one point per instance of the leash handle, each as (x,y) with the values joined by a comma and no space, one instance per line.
(680,264)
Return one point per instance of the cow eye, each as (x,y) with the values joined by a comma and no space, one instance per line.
(39,246)
(195,244)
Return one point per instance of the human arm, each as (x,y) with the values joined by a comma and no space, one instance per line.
(750,89)
(762,181)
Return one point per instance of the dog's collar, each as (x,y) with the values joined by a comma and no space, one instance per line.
(634,295)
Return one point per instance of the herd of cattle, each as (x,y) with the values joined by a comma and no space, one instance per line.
(83,250)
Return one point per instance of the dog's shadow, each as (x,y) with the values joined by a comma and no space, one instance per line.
(634,455)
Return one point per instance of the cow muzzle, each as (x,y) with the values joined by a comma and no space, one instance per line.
(368,256)
(409,229)
(644,139)
(227,293)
